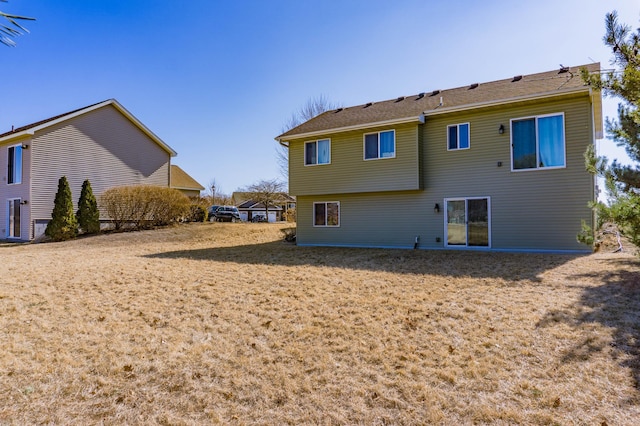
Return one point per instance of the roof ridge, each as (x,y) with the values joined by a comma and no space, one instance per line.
(401,109)
(559,75)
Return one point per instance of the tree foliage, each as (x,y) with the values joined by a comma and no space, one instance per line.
(88,215)
(63,224)
(267,192)
(314,107)
(13,29)
(622,181)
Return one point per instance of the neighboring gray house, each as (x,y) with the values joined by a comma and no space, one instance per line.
(492,166)
(250,209)
(103,142)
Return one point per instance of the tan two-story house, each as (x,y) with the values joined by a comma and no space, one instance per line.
(103,142)
(493,166)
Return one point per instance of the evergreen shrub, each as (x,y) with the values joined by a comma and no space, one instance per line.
(63,225)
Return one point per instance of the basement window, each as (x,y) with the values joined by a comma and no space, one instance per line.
(326,214)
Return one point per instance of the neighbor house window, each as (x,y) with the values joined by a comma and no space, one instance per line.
(326,213)
(380,145)
(317,152)
(538,142)
(458,136)
(14,171)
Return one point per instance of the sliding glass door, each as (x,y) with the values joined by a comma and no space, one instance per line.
(14,219)
(468,222)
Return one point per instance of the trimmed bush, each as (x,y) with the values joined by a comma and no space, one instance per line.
(88,216)
(197,214)
(144,206)
(199,210)
(63,225)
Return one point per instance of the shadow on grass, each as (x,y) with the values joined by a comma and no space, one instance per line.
(509,266)
(614,304)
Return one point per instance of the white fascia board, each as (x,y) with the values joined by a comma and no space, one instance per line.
(15,136)
(141,126)
(417,119)
(31,131)
(555,93)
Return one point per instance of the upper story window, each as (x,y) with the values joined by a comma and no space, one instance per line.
(380,145)
(458,136)
(317,152)
(14,170)
(537,142)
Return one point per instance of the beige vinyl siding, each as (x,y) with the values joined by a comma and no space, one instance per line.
(21,190)
(533,209)
(102,146)
(348,172)
(189,192)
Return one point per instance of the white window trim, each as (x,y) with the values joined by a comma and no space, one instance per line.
(9,227)
(364,145)
(458,141)
(564,140)
(316,142)
(313,214)
(21,165)
(466,219)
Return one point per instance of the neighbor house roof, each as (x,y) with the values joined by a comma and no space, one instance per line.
(416,107)
(242,197)
(181,180)
(30,129)
(252,205)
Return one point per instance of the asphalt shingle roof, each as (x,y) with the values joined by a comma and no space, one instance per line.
(180,179)
(413,106)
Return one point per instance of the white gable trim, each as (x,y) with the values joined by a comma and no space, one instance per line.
(32,130)
(418,119)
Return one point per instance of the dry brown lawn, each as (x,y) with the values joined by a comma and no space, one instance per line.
(226,324)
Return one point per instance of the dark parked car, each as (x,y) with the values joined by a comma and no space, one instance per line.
(212,212)
(227,214)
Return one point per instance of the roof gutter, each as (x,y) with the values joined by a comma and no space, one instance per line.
(18,135)
(284,139)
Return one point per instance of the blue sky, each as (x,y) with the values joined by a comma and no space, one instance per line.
(217,80)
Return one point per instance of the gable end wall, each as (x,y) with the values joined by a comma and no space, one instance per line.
(102,146)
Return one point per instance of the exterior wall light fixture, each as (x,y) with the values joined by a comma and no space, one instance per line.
(436,209)
(501,129)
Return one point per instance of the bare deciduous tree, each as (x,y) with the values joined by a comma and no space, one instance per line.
(267,193)
(314,107)
(215,195)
